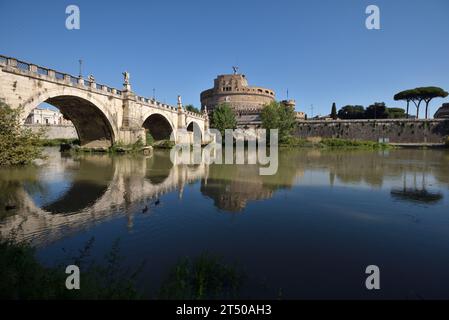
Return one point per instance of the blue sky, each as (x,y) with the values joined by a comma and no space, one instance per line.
(319,50)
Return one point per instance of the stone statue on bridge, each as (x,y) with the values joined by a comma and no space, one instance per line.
(126,77)
(179,103)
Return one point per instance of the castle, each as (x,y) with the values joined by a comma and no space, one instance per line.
(246,101)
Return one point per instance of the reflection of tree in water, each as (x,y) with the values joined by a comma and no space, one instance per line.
(372,167)
(416,194)
(351,167)
(11,185)
(441,167)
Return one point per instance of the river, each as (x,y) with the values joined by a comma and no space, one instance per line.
(307,232)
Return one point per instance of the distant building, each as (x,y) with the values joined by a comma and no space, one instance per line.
(326,117)
(246,101)
(442,112)
(48,117)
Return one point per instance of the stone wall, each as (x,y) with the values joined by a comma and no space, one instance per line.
(55,131)
(395,130)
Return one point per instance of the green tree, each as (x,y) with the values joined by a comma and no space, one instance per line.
(430,93)
(192,108)
(223,118)
(418,95)
(334,111)
(351,112)
(279,116)
(18,145)
(404,96)
(396,113)
(377,110)
(270,116)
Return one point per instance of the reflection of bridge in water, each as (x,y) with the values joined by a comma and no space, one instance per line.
(101,187)
(69,194)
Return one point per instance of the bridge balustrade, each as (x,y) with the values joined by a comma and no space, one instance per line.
(23,66)
(42,71)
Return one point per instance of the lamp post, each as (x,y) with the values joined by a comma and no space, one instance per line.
(81,68)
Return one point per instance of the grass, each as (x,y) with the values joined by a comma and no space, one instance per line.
(206,277)
(131,148)
(22,277)
(333,143)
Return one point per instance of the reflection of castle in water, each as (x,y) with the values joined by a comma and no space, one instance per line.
(232,187)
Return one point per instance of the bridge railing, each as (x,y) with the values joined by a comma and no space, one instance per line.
(154,103)
(55,75)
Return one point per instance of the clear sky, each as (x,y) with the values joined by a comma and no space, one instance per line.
(319,50)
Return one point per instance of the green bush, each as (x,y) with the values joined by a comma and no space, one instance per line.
(18,145)
(22,277)
(317,142)
(206,277)
(342,143)
(164,144)
(149,138)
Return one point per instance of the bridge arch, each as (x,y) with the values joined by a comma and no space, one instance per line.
(197,132)
(159,126)
(194,124)
(93,121)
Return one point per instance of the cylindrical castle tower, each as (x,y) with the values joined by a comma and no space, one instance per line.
(234,90)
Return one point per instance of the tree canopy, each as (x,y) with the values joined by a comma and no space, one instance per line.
(223,118)
(352,112)
(396,113)
(377,110)
(192,108)
(276,115)
(18,145)
(419,95)
(334,111)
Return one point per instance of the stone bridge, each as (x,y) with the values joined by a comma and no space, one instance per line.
(102,115)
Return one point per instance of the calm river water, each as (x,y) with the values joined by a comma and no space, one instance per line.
(307,232)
